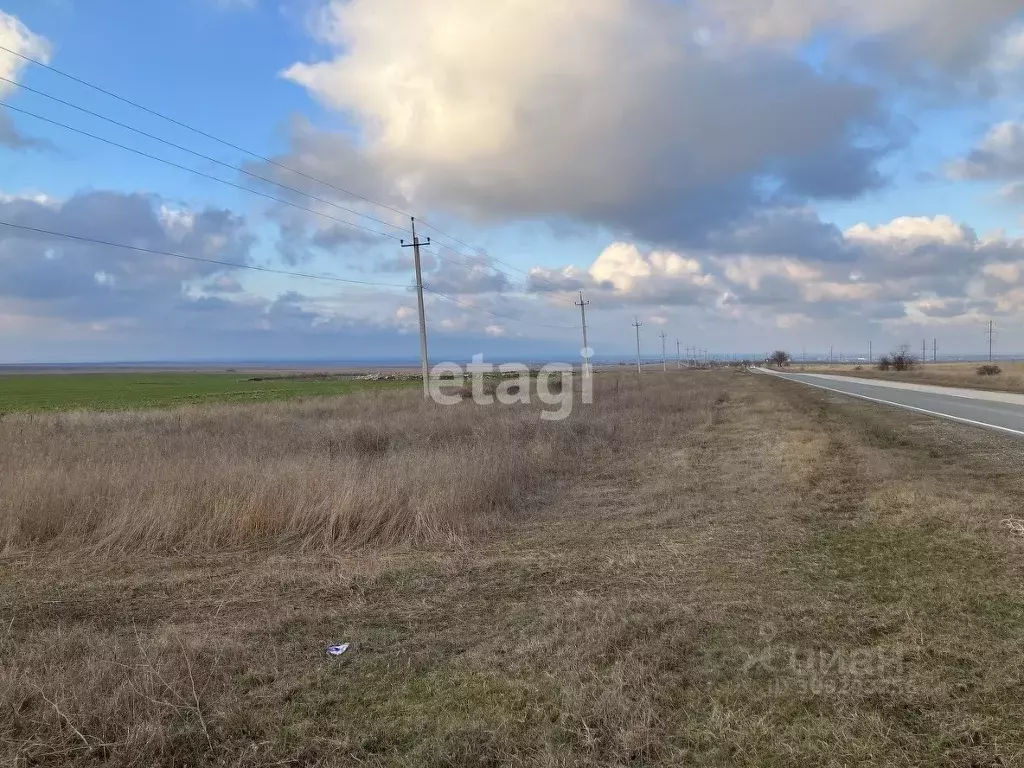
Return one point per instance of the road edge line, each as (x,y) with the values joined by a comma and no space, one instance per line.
(925,411)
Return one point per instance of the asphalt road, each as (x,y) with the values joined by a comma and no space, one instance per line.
(1000,411)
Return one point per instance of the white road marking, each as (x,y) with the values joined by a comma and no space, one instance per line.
(939,414)
(1010,398)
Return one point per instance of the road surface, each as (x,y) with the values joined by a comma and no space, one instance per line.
(1001,411)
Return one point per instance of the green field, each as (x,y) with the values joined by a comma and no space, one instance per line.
(129,391)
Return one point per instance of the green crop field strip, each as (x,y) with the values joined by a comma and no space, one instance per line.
(129,391)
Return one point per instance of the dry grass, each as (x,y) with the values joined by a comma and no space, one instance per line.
(941,374)
(754,573)
(371,469)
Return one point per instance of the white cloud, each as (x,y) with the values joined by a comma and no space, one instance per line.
(20,39)
(591,110)
(909,232)
(624,266)
(750,271)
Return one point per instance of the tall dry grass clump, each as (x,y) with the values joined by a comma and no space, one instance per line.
(372,469)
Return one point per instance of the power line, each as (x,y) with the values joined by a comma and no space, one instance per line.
(270,197)
(195,130)
(200,155)
(231,145)
(237,169)
(454,300)
(233,265)
(211,177)
(202,174)
(268,270)
(530,275)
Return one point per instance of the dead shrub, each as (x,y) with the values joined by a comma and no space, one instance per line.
(989,369)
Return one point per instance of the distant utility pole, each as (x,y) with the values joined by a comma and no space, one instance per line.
(830,357)
(679,356)
(639,371)
(664,364)
(871,353)
(991,336)
(415,245)
(935,350)
(924,350)
(586,347)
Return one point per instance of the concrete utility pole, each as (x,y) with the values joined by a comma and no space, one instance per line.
(871,353)
(830,354)
(639,371)
(935,350)
(664,364)
(991,336)
(415,245)
(679,355)
(586,347)
(924,350)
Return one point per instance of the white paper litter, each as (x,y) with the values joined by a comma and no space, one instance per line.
(1015,525)
(337,650)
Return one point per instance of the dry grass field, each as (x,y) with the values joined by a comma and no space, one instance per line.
(942,374)
(726,569)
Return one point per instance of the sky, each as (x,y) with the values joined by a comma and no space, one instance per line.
(738,175)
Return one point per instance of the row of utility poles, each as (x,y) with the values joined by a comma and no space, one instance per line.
(699,357)
(990,331)
(416,244)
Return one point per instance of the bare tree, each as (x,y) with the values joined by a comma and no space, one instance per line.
(780,359)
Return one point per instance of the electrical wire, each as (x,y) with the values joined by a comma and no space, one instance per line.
(200,155)
(197,131)
(233,265)
(268,270)
(209,176)
(254,155)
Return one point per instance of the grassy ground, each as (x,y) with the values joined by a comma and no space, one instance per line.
(124,391)
(942,374)
(777,577)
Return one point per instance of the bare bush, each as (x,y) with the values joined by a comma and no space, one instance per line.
(989,369)
(373,469)
(900,360)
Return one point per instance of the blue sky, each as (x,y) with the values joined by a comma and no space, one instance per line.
(706,167)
